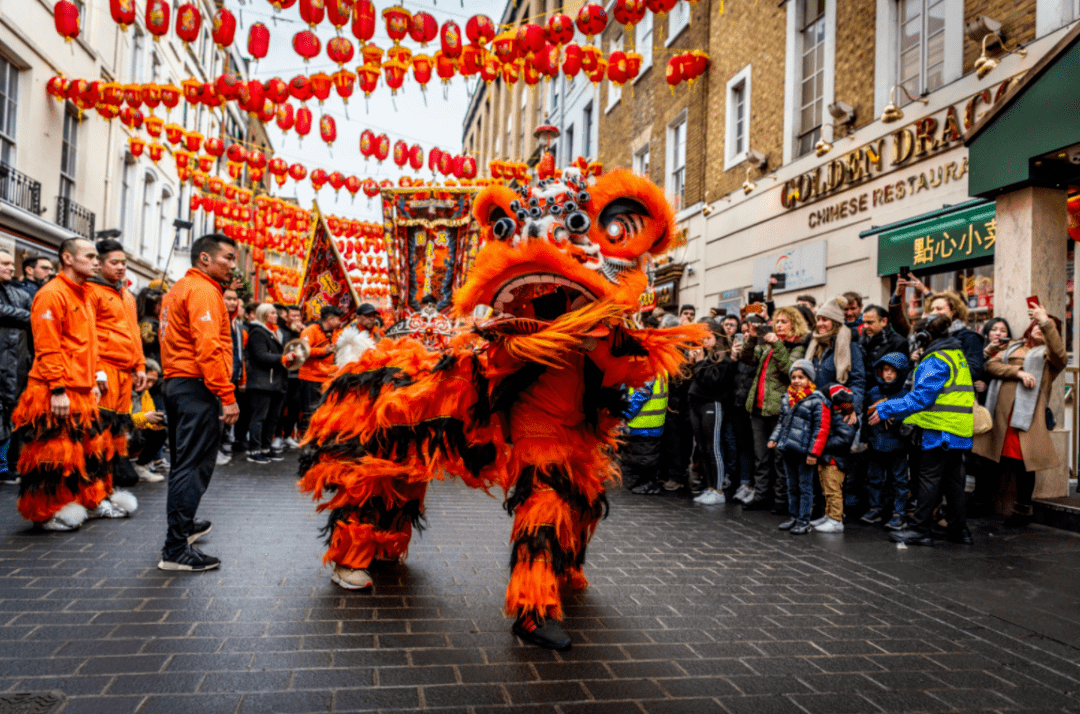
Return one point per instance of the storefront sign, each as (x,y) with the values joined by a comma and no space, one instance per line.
(963,235)
(803,266)
(919,140)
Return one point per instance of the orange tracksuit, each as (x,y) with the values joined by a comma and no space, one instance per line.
(319,366)
(119,342)
(196,339)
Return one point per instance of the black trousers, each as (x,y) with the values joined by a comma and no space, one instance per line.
(145,443)
(241,442)
(310,397)
(770,474)
(265,415)
(194,434)
(707,419)
(291,408)
(941,474)
(676,446)
(640,459)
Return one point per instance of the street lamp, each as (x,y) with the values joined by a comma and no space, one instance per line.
(108,233)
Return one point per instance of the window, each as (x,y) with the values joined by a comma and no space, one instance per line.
(569,145)
(146,222)
(68,150)
(586,131)
(138,48)
(921,46)
(163,225)
(82,17)
(614,92)
(812,75)
(125,200)
(1053,14)
(555,95)
(509,131)
(643,39)
(641,160)
(9,104)
(676,174)
(737,136)
(155,66)
(677,21)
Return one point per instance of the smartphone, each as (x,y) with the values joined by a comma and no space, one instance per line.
(781,280)
(1033,302)
(905,272)
(755,296)
(764,329)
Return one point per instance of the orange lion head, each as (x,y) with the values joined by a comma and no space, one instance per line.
(565,243)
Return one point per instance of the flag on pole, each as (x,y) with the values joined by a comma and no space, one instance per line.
(325,280)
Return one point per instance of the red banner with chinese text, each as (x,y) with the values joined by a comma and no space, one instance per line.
(324,281)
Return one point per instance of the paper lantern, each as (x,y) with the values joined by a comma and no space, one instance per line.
(336,181)
(368,77)
(661,7)
(123,12)
(328,128)
(236,153)
(154,126)
(276,90)
(155,151)
(321,85)
(400,54)
(382,147)
(66,19)
(598,72)
(505,47)
(352,185)
(591,20)
(285,118)
(214,146)
(131,118)
(480,30)
(450,39)
(445,67)
(370,188)
(372,54)
(188,23)
(205,163)
(192,90)
(300,88)
(398,22)
(157,18)
(303,122)
(250,96)
(338,12)
(590,56)
(489,71)
(422,68)
(319,177)
(136,146)
(423,28)
(256,159)
(367,143)
(132,93)
(446,163)
(224,29)
(616,70)
(572,58)
(530,39)
(312,12)
(344,82)
(401,153)
(695,64)
(394,72)
(547,61)
(151,95)
(297,172)
(174,133)
(306,44)
(57,87)
(228,86)
(170,96)
(674,72)
(416,157)
(182,158)
(633,65)
(628,13)
(363,22)
(258,41)
(468,168)
(340,50)
(1073,207)
(511,73)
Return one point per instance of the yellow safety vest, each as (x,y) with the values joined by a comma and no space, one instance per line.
(952,411)
(653,411)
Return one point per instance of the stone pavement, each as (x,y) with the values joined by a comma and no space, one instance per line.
(692,609)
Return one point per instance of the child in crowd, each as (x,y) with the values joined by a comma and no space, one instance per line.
(708,398)
(834,463)
(800,437)
(888,468)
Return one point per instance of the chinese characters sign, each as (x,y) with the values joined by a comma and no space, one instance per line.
(962,235)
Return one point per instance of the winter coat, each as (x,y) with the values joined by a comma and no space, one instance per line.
(803,429)
(15,346)
(743,383)
(971,344)
(877,346)
(841,434)
(775,360)
(884,436)
(1038,449)
(825,367)
(265,372)
(713,382)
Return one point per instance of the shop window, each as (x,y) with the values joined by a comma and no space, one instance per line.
(737,139)
(921,44)
(975,284)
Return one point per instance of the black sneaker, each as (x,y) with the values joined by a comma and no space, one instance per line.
(258,457)
(276,455)
(648,488)
(201,529)
(542,633)
(9,478)
(189,559)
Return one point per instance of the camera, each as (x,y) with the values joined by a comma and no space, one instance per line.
(755,296)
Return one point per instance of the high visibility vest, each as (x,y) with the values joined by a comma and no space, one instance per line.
(952,410)
(653,411)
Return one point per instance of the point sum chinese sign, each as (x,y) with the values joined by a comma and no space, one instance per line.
(962,235)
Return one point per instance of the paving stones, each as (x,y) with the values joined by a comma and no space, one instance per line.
(690,610)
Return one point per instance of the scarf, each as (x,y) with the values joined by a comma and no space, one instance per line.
(272,330)
(797,395)
(839,339)
(1023,411)
(956,326)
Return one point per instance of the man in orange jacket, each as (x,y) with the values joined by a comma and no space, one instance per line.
(196,349)
(319,366)
(119,350)
(64,475)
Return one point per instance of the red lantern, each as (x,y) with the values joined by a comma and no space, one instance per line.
(368,76)
(344,82)
(560,29)
(227,86)
(192,90)
(205,163)
(572,61)
(446,163)
(394,72)
(133,118)
(306,44)
(256,160)
(276,90)
(450,39)
(352,185)
(157,18)
(312,11)
(445,67)
(511,72)
(188,23)
(236,153)
(123,12)
(505,47)
(489,71)
(400,54)
(423,28)
(530,39)
(591,20)
(327,128)
(319,179)
(300,88)
(697,62)
(57,87)
(303,122)
(661,7)
(285,118)
(338,12)
(367,143)
(182,158)
(617,68)
(590,56)
(597,74)
(66,19)
(401,153)
(151,95)
(372,54)
(136,146)
(674,71)
(132,93)
(340,50)
(370,188)
(398,22)
(416,157)
(320,86)
(468,168)
(250,97)
(382,147)
(337,180)
(170,96)
(363,23)
(628,13)
(155,151)
(258,41)
(214,146)
(633,65)
(547,61)
(480,30)
(224,28)
(422,67)
(297,172)
(154,126)
(174,133)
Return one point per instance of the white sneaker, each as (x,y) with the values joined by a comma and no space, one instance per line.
(701,497)
(819,522)
(351,579)
(223,459)
(830,526)
(292,443)
(711,497)
(742,492)
(146,474)
(276,444)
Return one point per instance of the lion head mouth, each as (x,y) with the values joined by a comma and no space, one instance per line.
(541,296)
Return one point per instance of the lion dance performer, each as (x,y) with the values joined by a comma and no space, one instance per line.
(528,400)
(65,444)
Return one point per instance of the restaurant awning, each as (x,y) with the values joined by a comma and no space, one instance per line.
(966,231)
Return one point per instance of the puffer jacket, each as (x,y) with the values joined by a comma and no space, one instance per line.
(771,363)
(825,367)
(744,382)
(841,434)
(887,437)
(16,345)
(265,372)
(803,429)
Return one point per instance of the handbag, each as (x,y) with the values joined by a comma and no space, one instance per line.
(983,421)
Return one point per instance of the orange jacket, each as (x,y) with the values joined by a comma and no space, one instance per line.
(195,334)
(117,321)
(65,340)
(319,366)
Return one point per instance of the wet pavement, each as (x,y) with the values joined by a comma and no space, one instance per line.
(691,609)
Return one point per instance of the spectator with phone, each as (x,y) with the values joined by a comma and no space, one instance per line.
(1017,399)
(996,336)
(898,307)
(953,306)
(148,418)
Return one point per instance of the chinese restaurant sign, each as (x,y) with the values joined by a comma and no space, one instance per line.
(963,235)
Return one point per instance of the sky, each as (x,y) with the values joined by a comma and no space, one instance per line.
(406,117)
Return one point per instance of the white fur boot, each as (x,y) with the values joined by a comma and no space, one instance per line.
(125,500)
(67,518)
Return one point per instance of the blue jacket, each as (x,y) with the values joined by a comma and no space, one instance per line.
(930,378)
(825,367)
(804,429)
(883,437)
(637,401)
(841,434)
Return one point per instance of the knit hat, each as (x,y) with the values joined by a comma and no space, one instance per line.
(833,309)
(842,398)
(806,366)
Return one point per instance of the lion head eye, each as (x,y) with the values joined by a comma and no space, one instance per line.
(623,219)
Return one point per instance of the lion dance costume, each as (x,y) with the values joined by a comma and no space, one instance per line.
(530,399)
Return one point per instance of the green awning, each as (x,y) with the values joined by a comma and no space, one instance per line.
(965,234)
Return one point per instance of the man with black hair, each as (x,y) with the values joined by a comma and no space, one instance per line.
(16,356)
(687,314)
(119,351)
(878,337)
(36,271)
(196,347)
(319,367)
